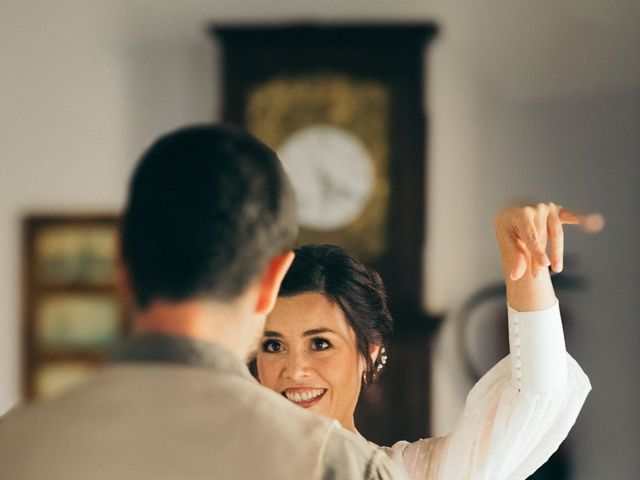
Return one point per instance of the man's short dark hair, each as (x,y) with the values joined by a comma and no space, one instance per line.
(208,207)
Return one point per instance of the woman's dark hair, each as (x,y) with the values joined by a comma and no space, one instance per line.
(357,289)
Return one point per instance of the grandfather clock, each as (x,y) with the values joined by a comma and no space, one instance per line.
(343,106)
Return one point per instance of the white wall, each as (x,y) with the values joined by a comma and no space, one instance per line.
(539,99)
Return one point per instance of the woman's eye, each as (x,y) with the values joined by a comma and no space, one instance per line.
(271,346)
(320,344)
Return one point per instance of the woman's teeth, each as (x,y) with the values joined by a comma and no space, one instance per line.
(306,396)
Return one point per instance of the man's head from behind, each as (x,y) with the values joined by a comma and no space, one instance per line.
(208,209)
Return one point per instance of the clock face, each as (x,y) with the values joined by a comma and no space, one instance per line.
(332,174)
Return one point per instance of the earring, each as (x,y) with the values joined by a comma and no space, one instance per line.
(381,361)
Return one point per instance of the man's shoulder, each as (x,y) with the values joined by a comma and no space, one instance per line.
(349,456)
(266,405)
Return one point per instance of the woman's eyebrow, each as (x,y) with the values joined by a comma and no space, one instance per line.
(316,331)
(270,333)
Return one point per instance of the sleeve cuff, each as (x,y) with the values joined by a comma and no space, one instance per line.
(538,353)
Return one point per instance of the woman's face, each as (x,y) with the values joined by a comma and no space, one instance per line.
(308,354)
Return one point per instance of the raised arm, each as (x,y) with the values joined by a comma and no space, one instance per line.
(520,411)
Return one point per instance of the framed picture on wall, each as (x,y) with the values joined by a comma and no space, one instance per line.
(73,314)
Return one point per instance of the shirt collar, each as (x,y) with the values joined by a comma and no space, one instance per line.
(179,350)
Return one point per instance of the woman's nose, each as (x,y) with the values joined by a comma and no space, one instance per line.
(296,365)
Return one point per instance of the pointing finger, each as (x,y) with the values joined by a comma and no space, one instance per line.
(592,223)
(569,217)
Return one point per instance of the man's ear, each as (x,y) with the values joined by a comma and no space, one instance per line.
(271,280)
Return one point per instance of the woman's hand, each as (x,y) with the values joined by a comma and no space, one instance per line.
(524,233)
(531,239)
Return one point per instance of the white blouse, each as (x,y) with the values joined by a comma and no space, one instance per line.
(515,417)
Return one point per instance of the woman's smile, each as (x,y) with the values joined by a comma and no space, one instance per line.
(303,396)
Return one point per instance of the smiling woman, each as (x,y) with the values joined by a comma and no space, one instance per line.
(310,354)
(325,340)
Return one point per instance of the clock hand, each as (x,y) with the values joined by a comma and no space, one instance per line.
(331,188)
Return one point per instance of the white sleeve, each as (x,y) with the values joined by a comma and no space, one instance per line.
(517,414)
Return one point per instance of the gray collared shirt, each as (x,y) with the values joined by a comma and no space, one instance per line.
(172,407)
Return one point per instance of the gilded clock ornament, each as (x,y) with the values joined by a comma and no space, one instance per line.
(331,131)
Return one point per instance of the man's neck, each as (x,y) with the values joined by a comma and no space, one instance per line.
(227,325)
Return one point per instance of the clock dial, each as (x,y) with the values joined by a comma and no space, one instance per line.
(332,174)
